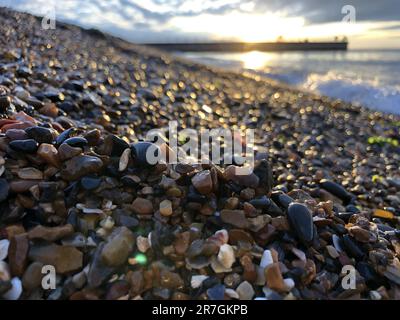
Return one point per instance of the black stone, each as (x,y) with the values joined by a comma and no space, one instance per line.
(89,183)
(352,248)
(264,172)
(282,199)
(337,190)
(27,146)
(76,142)
(118,146)
(4,189)
(139,153)
(40,134)
(64,135)
(301,221)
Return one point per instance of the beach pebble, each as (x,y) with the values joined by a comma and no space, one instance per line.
(142,206)
(16,290)
(4,244)
(166,208)
(266,259)
(226,256)
(245,291)
(202,181)
(197,280)
(301,220)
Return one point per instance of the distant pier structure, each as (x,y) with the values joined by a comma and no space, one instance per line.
(245,46)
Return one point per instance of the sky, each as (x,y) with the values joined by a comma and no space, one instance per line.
(367,24)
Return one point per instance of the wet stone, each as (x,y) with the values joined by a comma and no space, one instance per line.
(65,152)
(76,142)
(202,182)
(40,134)
(27,146)
(301,221)
(49,154)
(89,183)
(80,166)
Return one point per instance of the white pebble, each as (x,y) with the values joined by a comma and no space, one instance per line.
(231,293)
(226,256)
(375,295)
(289,283)
(223,234)
(4,244)
(15,292)
(266,259)
(196,281)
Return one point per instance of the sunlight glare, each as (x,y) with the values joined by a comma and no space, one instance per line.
(254,60)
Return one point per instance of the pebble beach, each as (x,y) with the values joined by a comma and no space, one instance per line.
(77,192)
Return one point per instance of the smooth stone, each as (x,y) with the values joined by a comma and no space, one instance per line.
(236,235)
(50,234)
(65,152)
(282,199)
(64,259)
(80,166)
(337,190)
(217,292)
(4,244)
(30,173)
(264,172)
(92,137)
(76,142)
(352,248)
(236,218)
(266,259)
(16,290)
(166,208)
(301,220)
(332,252)
(40,134)
(27,145)
(118,145)
(143,244)
(197,280)
(49,154)
(226,256)
(33,276)
(127,221)
(89,183)
(142,206)
(202,181)
(18,254)
(124,159)
(5,274)
(16,134)
(118,247)
(274,278)
(247,180)
(117,290)
(245,291)
(142,151)
(98,271)
(64,135)
(4,189)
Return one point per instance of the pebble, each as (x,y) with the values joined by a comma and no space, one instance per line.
(65,259)
(217,292)
(49,154)
(33,276)
(118,247)
(65,152)
(166,208)
(30,174)
(236,218)
(226,256)
(76,142)
(245,291)
(337,190)
(197,280)
(142,206)
(80,166)
(16,290)
(266,259)
(27,146)
(18,254)
(142,244)
(202,181)
(274,279)
(124,160)
(301,220)
(51,234)
(4,189)
(4,244)
(40,134)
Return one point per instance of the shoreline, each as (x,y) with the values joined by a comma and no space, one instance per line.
(77,191)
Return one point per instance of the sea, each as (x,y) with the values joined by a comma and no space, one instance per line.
(370,78)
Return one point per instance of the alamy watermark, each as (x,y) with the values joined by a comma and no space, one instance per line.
(349,13)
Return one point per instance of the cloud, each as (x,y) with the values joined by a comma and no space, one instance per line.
(151,18)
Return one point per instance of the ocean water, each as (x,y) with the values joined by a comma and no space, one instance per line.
(370,78)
